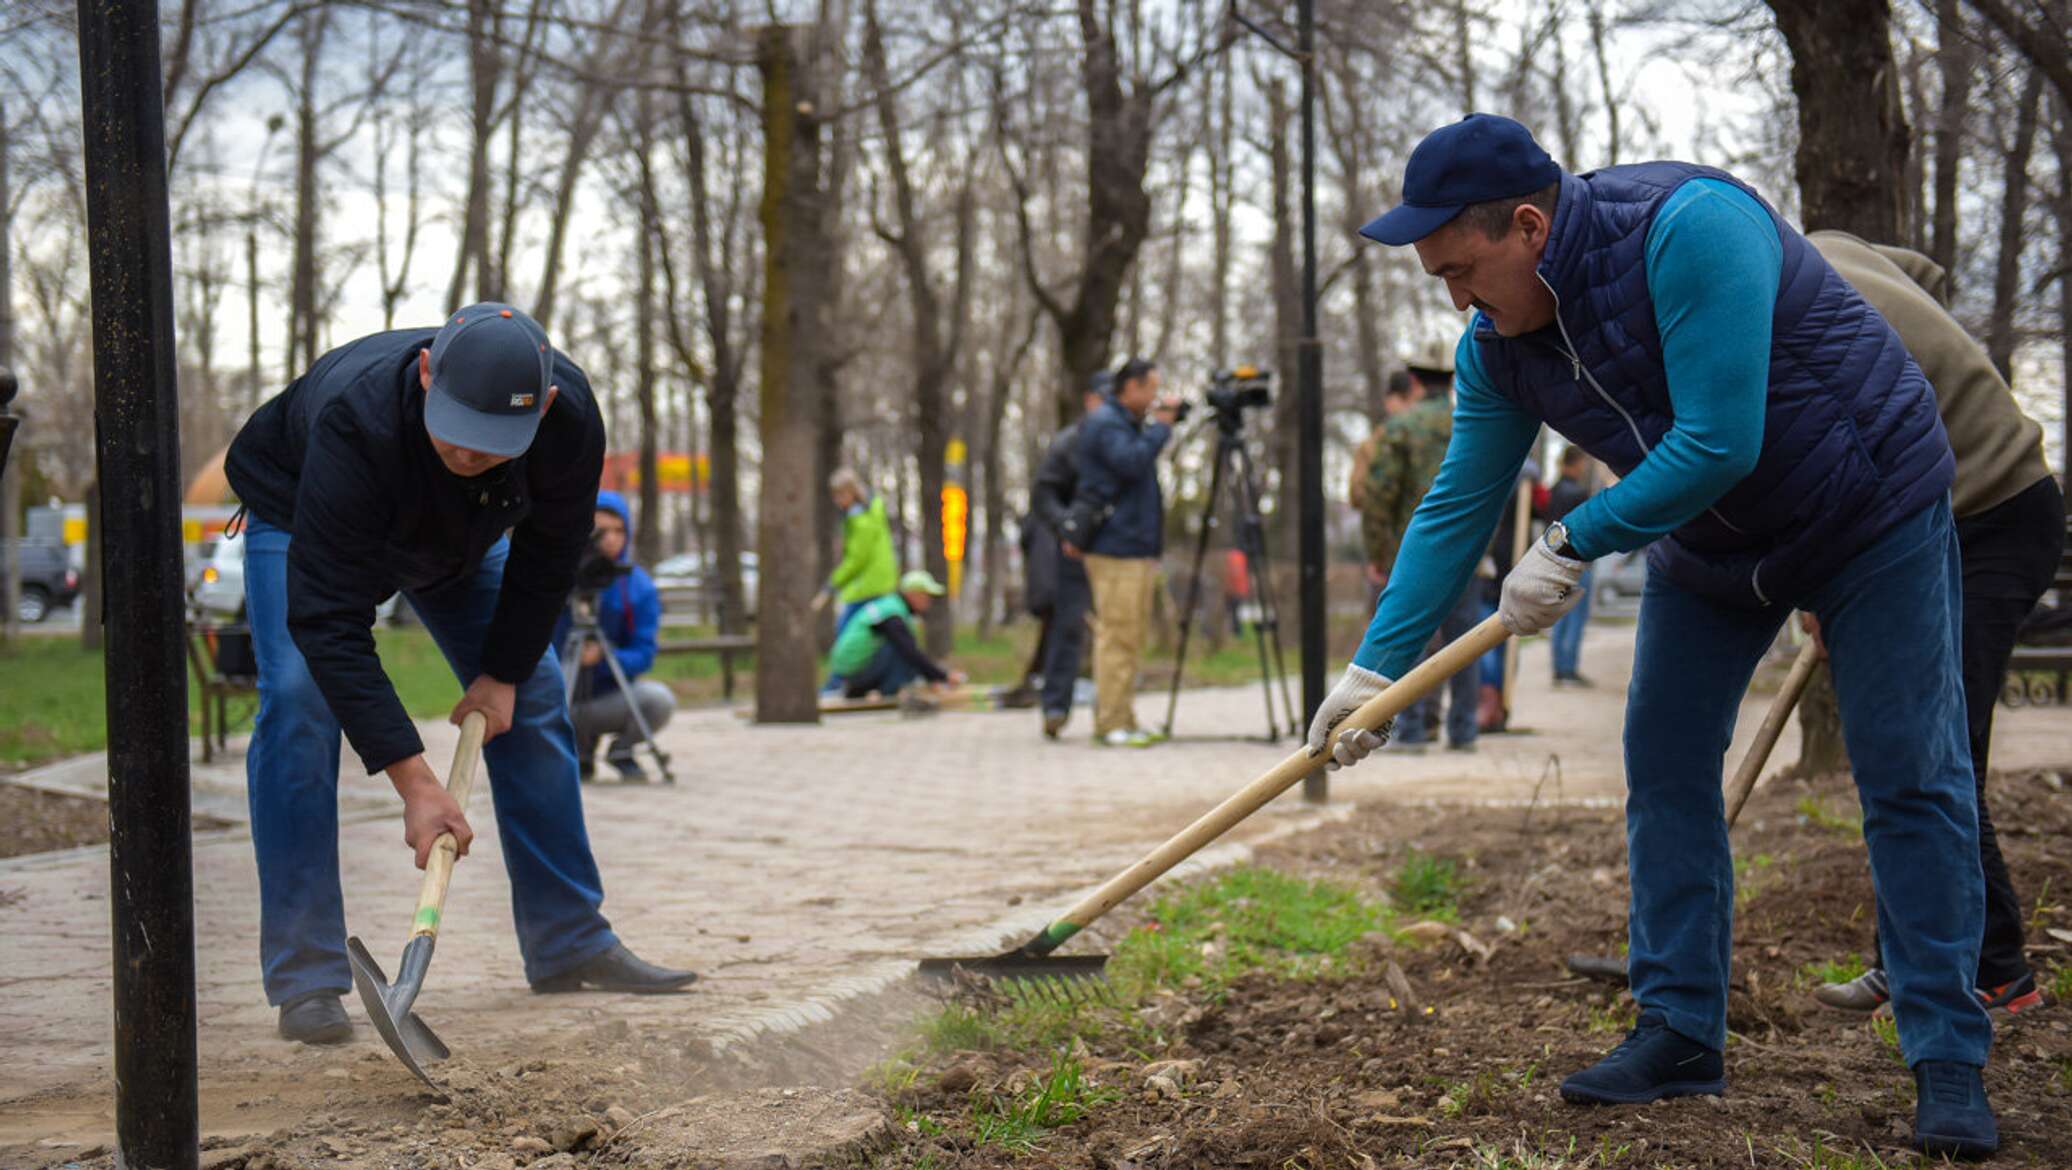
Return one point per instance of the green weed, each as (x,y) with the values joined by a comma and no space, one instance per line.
(1615,1019)
(2059,984)
(1818,814)
(1747,876)
(1886,1029)
(1059,1098)
(1429,886)
(1838,971)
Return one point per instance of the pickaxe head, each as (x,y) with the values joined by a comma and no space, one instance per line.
(389,1005)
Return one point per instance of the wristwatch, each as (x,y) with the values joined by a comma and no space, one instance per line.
(1557,541)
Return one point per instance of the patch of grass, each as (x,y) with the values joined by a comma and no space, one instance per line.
(1617,1018)
(1061,1097)
(1822,1156)
(1429,887)
(2058,983)
(1817,813)
(1026,1022)
(1747,876)
(2064,1073)
(56,702)
(914,1121)
(1490,1156)
(1837,971)
(1248,919)
(1886,1029)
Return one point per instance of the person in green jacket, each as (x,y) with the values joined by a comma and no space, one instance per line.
(877,652)
(868,570)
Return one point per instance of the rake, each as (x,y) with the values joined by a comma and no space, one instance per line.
(1036,970)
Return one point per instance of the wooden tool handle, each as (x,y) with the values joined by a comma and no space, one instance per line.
(1773,724)
(438,869)
(1421,681)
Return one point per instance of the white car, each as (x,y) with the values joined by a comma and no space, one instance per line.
(219,590)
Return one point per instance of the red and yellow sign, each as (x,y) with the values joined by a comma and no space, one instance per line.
(678,472)
(956,516)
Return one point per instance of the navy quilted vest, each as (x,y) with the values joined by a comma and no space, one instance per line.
(1852,443)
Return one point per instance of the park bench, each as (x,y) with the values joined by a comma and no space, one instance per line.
(2041,673)
(684,605)
(224,669)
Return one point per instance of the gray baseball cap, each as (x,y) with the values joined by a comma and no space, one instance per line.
(490,370)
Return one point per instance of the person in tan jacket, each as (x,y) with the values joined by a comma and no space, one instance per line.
(2010,533)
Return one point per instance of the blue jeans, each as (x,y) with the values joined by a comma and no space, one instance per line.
(1891,621)
(1567,635)
(885,673)
(291,776)
(1492,660)
(1463,689)
(1065,652)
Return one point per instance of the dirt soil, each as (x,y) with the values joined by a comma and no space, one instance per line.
(1330,1073)
(1334,1074)
(32,821)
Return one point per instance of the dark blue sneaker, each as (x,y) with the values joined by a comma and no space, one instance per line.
(1951,1115)
(1651,1063)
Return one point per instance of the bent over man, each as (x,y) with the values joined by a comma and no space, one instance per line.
(1782,450)
(457,465)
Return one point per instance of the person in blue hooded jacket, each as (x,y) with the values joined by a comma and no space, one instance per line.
(629,612)
(1777,449)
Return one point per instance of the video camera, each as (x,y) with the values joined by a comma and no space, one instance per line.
(597,572)
(1234,391)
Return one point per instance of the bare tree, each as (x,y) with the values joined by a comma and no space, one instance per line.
(1853,136)
(1957,59)
(2014,212)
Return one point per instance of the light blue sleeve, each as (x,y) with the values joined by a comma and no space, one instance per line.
(1450,530)
(1713,259)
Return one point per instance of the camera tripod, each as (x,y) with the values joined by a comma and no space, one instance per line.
(1234,461)
(582,627)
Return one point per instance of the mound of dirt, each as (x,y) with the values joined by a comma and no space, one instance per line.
(1345,1073)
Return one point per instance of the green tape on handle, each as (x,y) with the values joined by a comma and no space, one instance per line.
(427,919)
(1057,932)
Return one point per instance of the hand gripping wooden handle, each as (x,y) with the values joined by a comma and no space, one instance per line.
(1773,724)
(1425,678)
(438,869)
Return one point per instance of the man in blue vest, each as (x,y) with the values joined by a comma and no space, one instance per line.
(1781,449)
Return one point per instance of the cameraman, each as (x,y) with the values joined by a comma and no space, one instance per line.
(1117,526)
(1058,590)
(628,611)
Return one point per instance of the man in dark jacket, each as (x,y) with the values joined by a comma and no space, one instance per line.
(426,461)
(1117,525)
(629,618)
(1777,448)
(1059,593)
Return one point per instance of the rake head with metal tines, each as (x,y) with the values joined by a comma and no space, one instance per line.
(1019,974)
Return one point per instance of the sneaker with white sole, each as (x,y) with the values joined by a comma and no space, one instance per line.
(1126,737)
(1866,993)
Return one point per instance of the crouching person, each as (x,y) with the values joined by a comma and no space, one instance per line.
(628,614)
(876,652)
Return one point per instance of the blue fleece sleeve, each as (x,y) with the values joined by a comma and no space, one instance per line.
(1713,259)
(1451,527)
(637,653)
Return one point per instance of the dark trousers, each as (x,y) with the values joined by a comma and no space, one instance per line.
(1064,637)
(1464,689)
(2009,554)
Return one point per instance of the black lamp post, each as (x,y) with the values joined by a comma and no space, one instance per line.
(137,442)
(1309,390)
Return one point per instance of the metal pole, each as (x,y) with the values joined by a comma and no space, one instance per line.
(136,423)
(1310,453)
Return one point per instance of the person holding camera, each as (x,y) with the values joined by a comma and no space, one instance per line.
(628,611)
(1059,593)
(456,464)
(1117,529)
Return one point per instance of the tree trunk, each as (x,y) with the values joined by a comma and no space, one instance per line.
(1287,323)
(485,71)
(647,538)
(1853,136)
(303,341)
(785,651)
(1957,59)
(2014,209)
(10,469)
(1853,142)
(2061,138)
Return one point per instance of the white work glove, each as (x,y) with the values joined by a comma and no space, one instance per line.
(1358,686)
(1539,589)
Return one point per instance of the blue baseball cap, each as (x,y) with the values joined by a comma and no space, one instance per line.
(1477,159)
(490,369)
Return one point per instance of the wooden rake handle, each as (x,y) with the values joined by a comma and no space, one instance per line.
(1425,678)
(1773,725)
(438,869)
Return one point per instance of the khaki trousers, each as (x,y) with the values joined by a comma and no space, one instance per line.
(1122,618)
